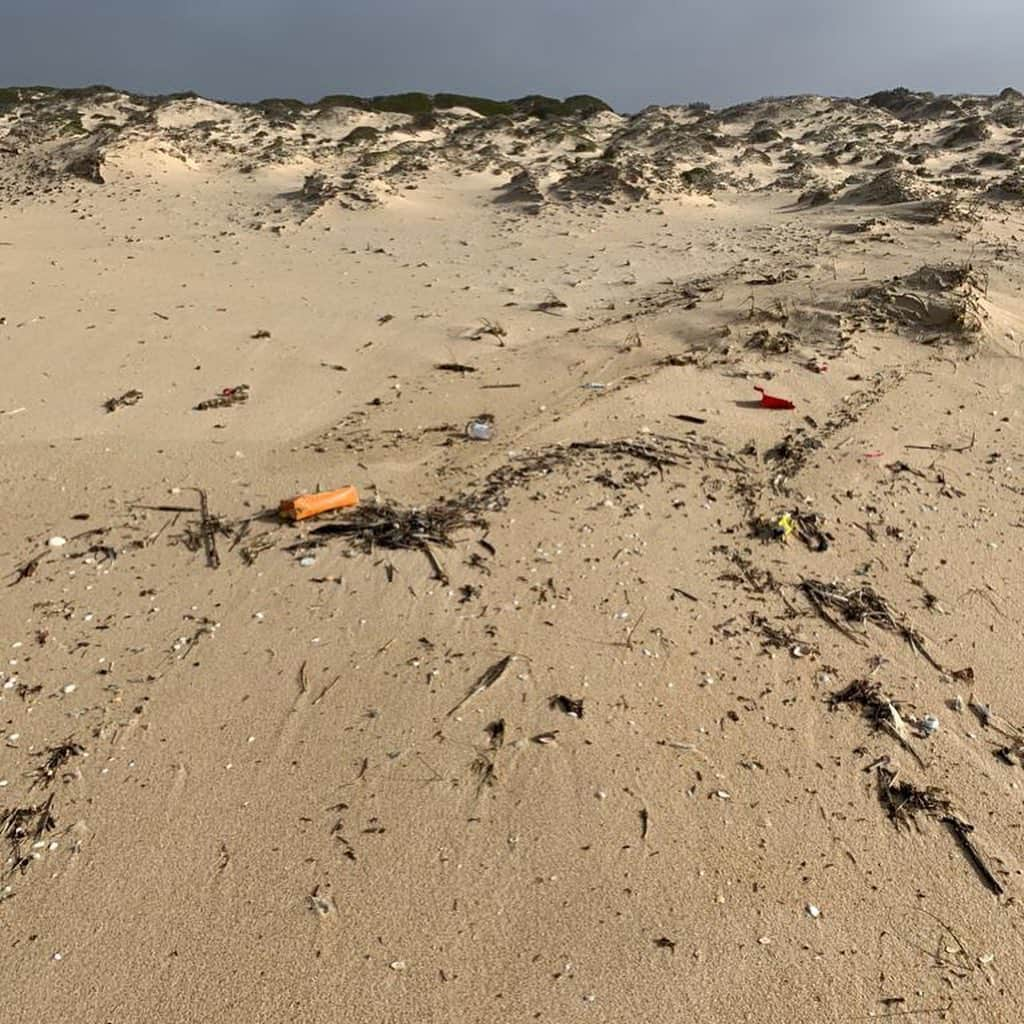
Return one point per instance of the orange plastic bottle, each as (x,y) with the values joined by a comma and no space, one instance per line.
(307,505)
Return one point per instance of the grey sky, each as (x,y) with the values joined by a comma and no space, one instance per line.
(629,52)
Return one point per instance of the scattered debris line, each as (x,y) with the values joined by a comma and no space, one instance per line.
(838,605)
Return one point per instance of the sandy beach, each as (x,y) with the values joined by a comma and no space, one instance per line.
(660,704)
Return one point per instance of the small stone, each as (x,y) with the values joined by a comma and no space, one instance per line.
(813,911)
(57,542)
(307,561)
(397,965)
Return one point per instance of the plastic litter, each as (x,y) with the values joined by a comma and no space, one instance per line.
(771,402)
(227,396)
(480,429)
(307,505)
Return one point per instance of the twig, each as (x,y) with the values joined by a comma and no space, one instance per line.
(327,689)
(207,530)
(941,447)
(439,574)
(488,679)
(962,832)
(908,1013)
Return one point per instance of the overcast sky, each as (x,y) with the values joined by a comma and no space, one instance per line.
(629,52)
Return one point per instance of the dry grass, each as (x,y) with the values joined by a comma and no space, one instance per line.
(840,605)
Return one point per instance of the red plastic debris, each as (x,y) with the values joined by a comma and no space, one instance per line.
(771,402)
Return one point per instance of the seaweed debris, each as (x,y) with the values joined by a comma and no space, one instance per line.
(21,828)
(839,605)
(391,526)
(655,452)
(882,712)
(128,398)
(903,800)
(396,527)
(56,758)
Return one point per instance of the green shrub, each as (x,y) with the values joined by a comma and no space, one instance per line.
(402,103)
(281,107)
(364,133)
(547,106)
(342,100)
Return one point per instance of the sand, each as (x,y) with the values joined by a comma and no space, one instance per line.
(268,798)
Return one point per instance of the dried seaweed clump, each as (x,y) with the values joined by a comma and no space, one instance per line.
(904,801)
(841,605)
(55,759)
(392,526)
(20,829)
